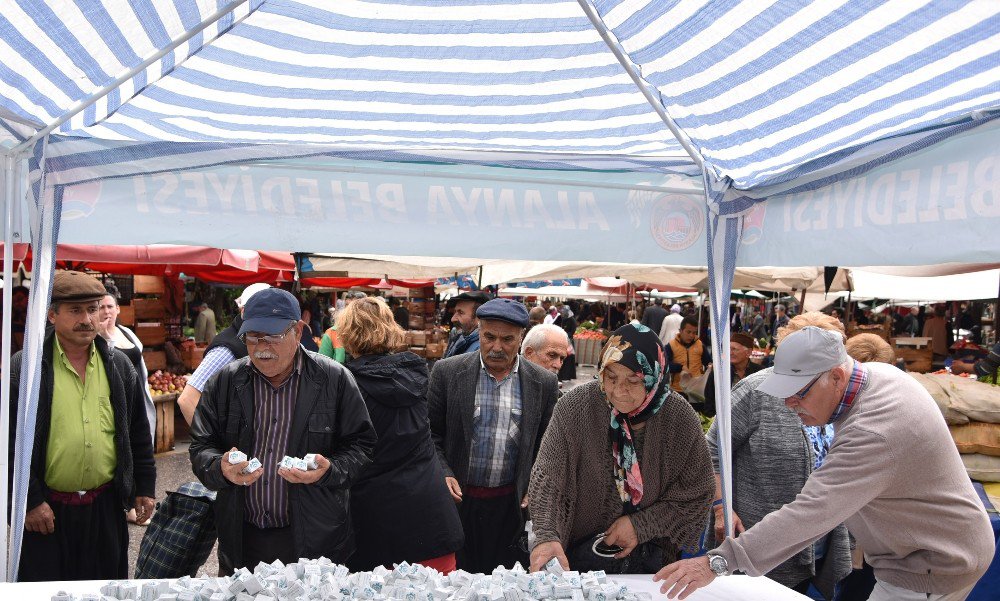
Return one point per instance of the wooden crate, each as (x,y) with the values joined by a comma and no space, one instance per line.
(154,360)
(127,315)
(917,359)
(149,308)
(192,356)
(148,284)
(151,334)
(164,404)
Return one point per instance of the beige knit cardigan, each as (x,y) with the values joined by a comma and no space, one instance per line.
(572,489)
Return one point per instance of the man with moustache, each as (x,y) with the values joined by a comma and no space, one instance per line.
(280,400)
(488,412)
(92,457)
(464,323)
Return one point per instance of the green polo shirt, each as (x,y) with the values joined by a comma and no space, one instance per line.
(81,453)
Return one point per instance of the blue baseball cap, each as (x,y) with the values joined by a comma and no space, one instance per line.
(270,311)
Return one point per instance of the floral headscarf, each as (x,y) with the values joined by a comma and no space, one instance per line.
(638,348)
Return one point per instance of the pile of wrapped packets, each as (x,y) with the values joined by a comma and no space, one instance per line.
(321,579)
(305,463)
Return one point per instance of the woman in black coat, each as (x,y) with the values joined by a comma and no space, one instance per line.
(400,506)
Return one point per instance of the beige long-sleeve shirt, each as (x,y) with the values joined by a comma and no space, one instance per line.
(894,477)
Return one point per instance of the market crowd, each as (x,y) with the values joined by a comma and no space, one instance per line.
(446,466)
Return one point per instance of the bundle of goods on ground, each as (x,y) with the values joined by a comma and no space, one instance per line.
(972,411)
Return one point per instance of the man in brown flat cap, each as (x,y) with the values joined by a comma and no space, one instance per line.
(92,457)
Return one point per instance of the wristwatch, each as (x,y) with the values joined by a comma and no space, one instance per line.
(718,564)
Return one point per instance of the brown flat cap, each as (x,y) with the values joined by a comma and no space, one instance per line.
(743,340)
(74,286)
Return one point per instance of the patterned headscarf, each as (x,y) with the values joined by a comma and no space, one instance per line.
(638,348)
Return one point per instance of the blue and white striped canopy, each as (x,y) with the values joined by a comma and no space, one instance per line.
(761,91)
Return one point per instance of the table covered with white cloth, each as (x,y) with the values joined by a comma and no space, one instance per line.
(729,588)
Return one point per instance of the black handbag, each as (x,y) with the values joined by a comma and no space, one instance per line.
(591,554)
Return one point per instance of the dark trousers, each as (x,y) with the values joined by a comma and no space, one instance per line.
(262,544)
(90,542)
(493,529)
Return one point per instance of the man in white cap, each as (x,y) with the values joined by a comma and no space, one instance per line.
(892,475)
(225,347)
(671,324)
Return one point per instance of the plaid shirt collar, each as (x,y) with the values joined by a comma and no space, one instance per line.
(857,381)
(513,370)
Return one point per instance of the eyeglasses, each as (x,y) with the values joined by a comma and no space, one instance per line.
(805,391)
(269,338)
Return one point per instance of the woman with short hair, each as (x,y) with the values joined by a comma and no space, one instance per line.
(624,459)
(400,506)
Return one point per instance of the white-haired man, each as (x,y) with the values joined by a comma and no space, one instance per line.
(225,347)
(892,476)
(546,345)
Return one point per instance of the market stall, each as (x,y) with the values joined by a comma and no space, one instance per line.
(438,140)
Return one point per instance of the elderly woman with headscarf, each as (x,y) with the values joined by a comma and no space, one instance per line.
(624,459)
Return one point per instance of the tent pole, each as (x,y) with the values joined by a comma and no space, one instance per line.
(996,317)
(643,85)
(9,197)
(100,93)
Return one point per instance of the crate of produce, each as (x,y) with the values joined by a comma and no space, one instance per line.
(151,334)
(149,308)
(418,338)
(154,360)
(588,346)
(148,284)
(416,322)
(191,356)
(434,350)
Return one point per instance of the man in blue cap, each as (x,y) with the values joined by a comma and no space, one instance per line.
(488,411)
(280,400)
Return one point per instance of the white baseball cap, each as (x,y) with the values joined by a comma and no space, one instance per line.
(251,290)
(802,356)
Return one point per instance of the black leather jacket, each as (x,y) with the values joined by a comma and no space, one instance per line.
(330,418)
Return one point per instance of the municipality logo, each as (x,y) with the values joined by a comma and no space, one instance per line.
(79,201)
(677,221)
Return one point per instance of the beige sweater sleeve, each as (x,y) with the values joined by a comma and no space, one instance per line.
(857,469)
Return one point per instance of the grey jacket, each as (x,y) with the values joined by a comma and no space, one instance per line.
(772,459)
(451,399)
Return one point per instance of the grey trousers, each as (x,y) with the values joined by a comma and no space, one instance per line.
(884,591)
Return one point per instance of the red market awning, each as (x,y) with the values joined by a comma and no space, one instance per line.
(225,266)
